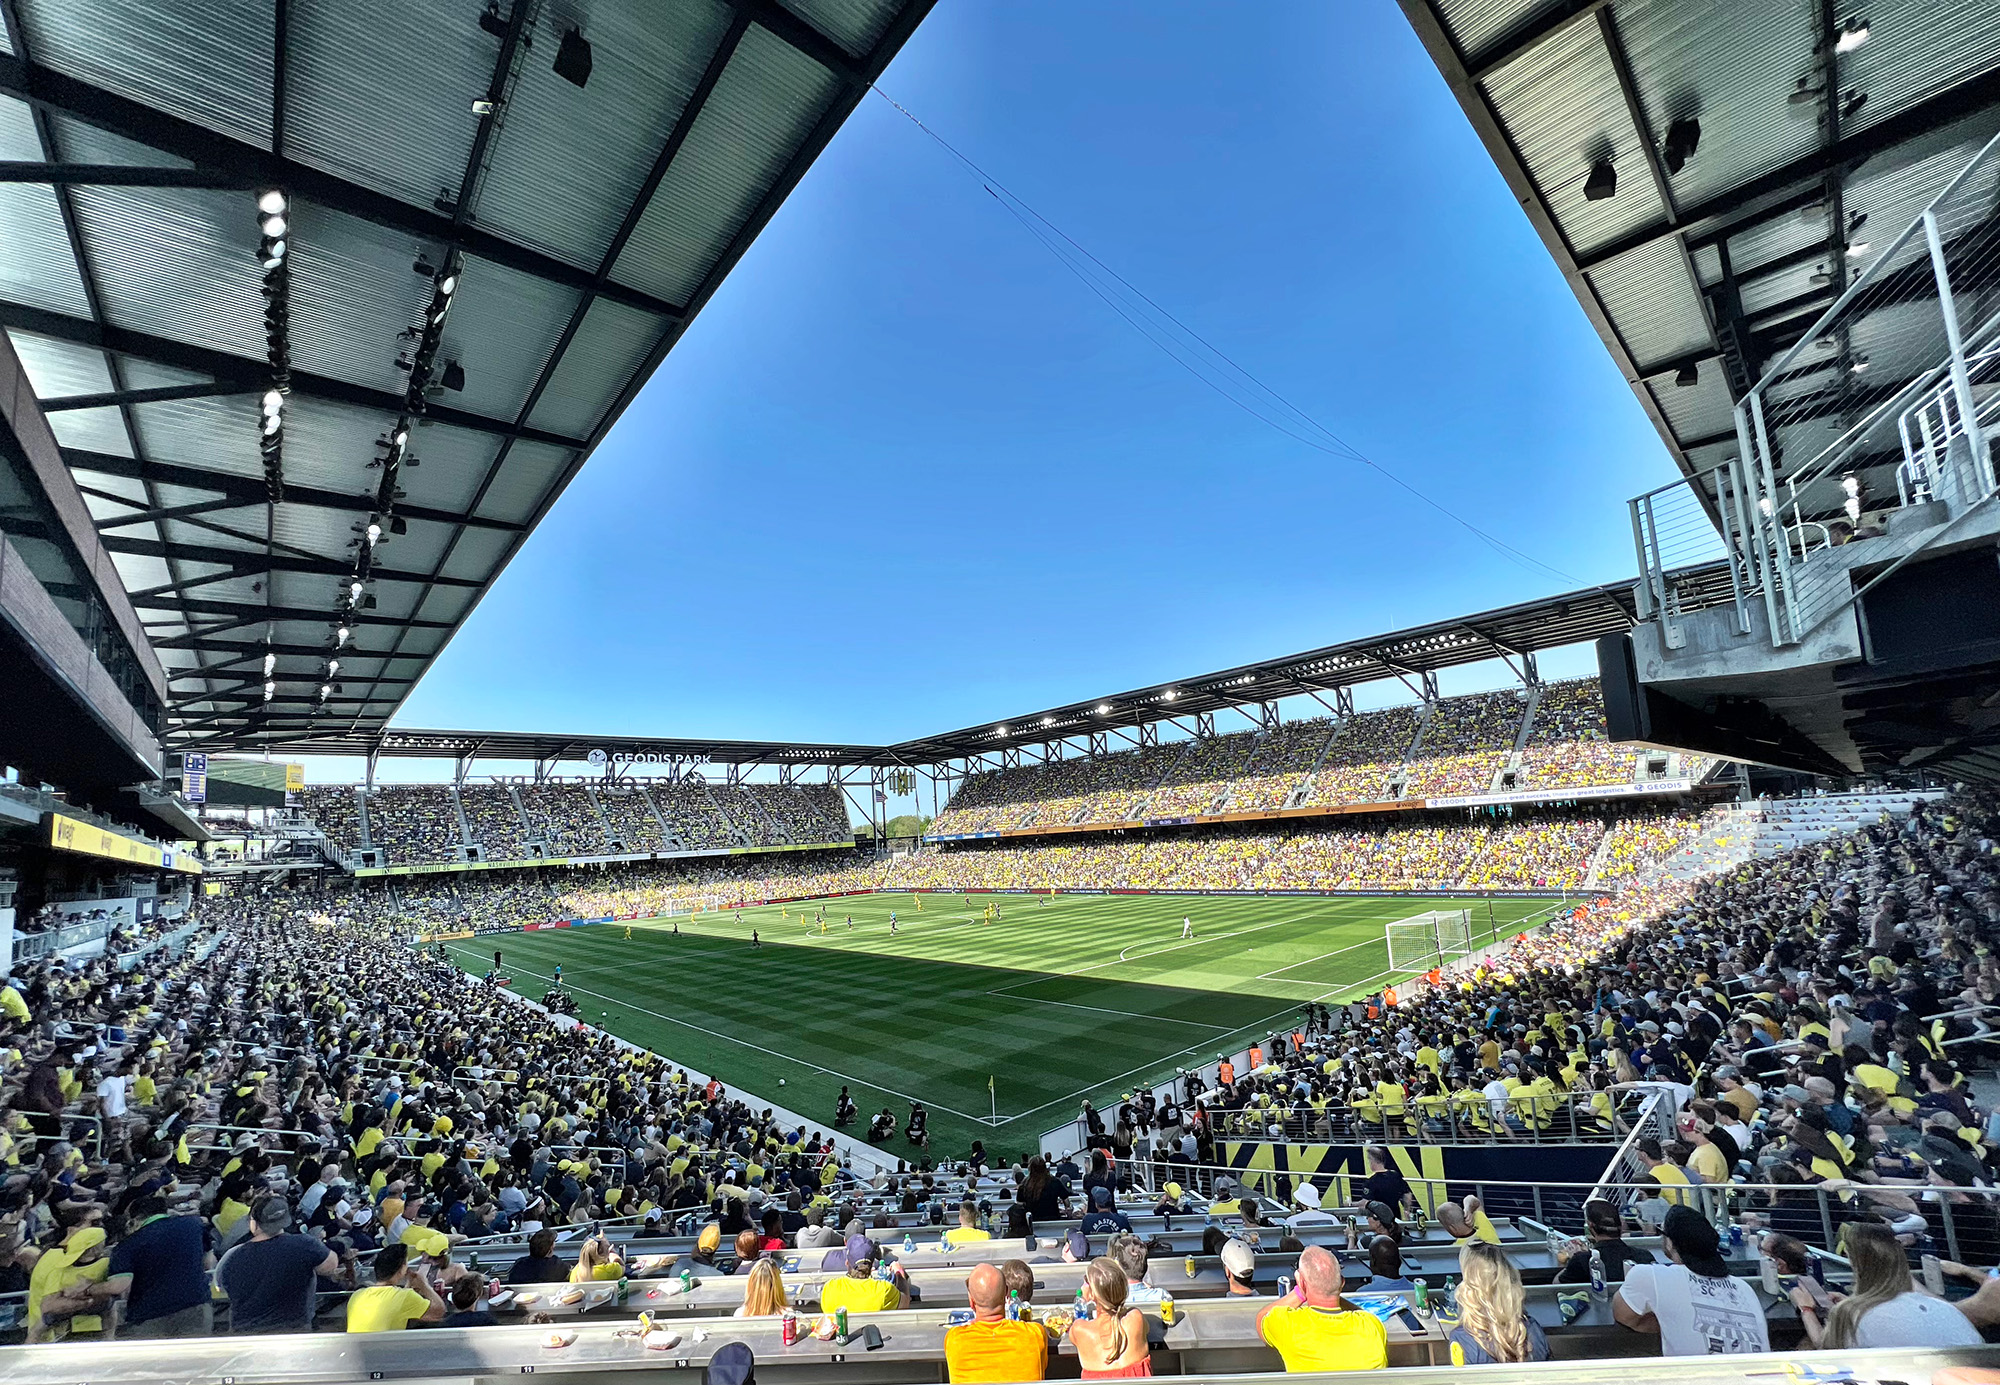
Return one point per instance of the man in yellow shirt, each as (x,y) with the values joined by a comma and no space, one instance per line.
(968,1228)
(398,1297)
(1310,1329)
(11,1003)
(993,1347)
(1673,1179)
(859,1291)
(1467,1222)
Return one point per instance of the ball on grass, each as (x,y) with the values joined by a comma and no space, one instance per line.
(781,1082)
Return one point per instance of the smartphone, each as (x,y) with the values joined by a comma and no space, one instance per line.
(1410,1320)
(871,1338)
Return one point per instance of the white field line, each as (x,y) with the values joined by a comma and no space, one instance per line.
(1278,975)
(1103,1010)
(848,1078)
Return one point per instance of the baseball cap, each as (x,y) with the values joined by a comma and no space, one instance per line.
(733,1364)
(1794,1092)
(1079,1245)
(1173,1190)
(1238,1258)
(1101,1195)
(860,1249)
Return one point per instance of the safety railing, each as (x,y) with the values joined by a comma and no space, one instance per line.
(1681,530)
(1455,1118)
(1873,428)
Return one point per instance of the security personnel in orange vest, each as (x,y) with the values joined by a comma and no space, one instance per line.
(1256,1057)
(1225,1073)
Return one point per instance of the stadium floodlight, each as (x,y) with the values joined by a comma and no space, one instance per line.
(324,689)
(1602,185)
(1853,34)
(999,730)
(340,636)
(354,590)
(1048,721)
(270,662)
(1170,694)
(447,284)
(374,534)
(274,402)
(1860,363)
(402,436)
(273,226)
(1856,249)
(332,667)
(272,203)
(1104,709)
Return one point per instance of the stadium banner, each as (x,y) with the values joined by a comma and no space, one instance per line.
(295,778)
(586,923)
(1339,1170)
(194,777)
(85,839)
(1593,791)
(453,936)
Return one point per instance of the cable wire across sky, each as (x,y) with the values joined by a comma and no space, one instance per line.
(1197,355)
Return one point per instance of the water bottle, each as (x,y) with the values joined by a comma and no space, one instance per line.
(1597,1282)
(1735,1239)
(909,1243)
(1767,1270)
(1450,1297)
(1013,1305)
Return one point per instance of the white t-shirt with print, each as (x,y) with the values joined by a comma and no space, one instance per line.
(1698,1317)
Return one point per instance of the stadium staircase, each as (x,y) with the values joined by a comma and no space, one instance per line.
(529,834)
(1402,774)
(466,846)
(1300,794)
(672,838)
(1597,860)
(612,841)
(1508,776)
(1138,812)
(361,810)
(737,834)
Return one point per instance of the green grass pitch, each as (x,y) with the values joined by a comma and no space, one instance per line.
(1081,996)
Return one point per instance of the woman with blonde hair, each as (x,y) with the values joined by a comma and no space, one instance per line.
(1886,1308)
(1111,1345)
(763,1292)
(1493,1322)
(596,1261)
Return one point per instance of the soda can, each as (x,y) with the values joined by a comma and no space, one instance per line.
(1284,1285)
(687,1281)
(1190,1267)
(790,1326)
(1168,1313)
(840,1321)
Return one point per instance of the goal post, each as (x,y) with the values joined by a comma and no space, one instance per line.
(1432,939)
(681,906)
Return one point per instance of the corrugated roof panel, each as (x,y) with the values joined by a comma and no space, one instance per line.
(309,527)
(502,326)
(855,25)
(1700,410)
(328,445)
(1653,303)
(94,430)
(384,93)
(335,330)
(1477,23)
(86,144)
(1916,49)
(611,344)
(56,368)
(217,434)
(36,267)
(453,462)
(147,245)
(210,63)
(142,374)
(1731,65)
(1562,105)
(417,551)
(129,487)
(529,469)
(476,554)
(446,603)
(547,189)
(768,100)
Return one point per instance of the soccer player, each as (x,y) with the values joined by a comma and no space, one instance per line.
(559,973)
(1187,926)
(628,932)
(850,923)
(755,941)
(892,922)
(822,928)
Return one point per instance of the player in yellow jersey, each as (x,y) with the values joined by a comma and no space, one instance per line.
(628,932)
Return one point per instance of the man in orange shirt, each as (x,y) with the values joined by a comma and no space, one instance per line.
(993,1347)
(1225,1073)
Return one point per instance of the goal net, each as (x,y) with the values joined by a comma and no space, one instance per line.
(1428,940)
(679,906)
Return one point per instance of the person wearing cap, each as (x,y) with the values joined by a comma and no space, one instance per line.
(1313,1329)
(1308,1198)
(1239,1265)
(992,1347)
(1692,1302)
(1103,1218)
(858,1290)
(399,1296)
(1170,1201)
(271,1278)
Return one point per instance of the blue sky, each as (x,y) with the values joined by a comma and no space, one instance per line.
(906,474)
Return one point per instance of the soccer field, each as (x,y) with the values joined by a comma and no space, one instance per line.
(1080,996)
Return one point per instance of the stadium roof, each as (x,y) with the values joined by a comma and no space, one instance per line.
(1756,149)
(1510,633)
(572,195)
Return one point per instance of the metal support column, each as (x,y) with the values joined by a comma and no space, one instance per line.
(1967,488)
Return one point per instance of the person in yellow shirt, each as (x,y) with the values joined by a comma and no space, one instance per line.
(1310,1329)
(994,1347)
(1674,1182)
(859,1291)
(399,1296)
(11,1003)
(1467,1222)
(968,1229)
(596,1260)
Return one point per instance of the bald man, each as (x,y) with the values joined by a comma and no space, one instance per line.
(993,1347)
(1313,1331)
(1467,1223)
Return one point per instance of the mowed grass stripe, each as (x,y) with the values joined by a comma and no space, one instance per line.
(931,1011)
